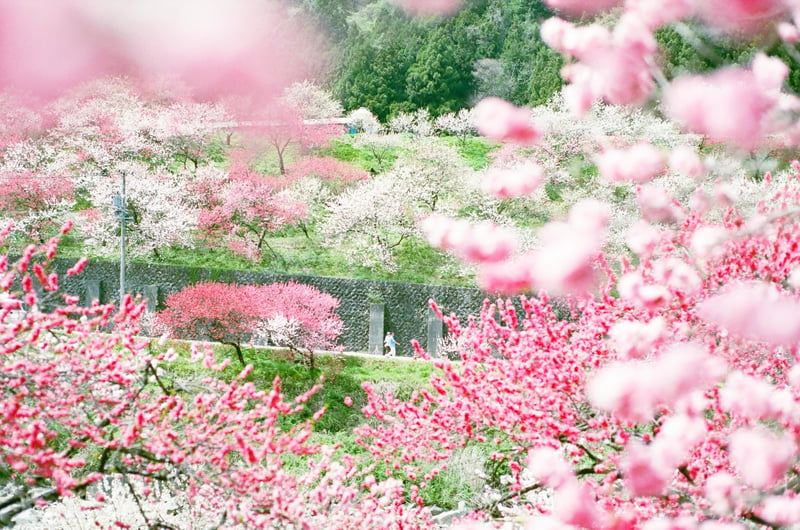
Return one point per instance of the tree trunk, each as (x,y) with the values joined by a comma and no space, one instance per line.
(238,349)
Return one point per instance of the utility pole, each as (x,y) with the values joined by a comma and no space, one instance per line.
(121,212)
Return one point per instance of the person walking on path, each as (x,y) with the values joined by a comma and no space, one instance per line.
(390,345)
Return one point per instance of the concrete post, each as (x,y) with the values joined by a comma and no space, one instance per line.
(435,333)
(94,291)
(150,293)
(376,323)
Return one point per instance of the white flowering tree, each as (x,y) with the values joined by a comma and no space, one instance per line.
(313,101)
(372,219)
(417,123)
(364,121)
(459,124)
(159,208)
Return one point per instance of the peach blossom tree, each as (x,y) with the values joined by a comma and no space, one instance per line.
(650,387)
(86,401)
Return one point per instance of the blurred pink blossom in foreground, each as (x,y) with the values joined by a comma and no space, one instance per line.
(639,163)
(514,182)
(740,15)
(238,47)
(634,390)
(760,456)
(481,242)
(565,261)
(500,120)
(731,105)
(756,311)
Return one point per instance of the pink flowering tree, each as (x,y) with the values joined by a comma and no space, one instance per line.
(242,208)
(221,312)
(292,315)
(336,173)
(83,406)
(283,126)
(652,387)
(299,317)
(37,204)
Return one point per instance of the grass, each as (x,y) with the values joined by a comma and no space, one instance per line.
(341,376)
(475,150)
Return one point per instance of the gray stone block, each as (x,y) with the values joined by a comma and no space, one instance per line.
(377,313)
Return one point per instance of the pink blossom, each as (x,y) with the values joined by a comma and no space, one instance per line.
(512,276)
(746,396)
(634,389)
(721,525)
(723,491)
(794,279)
(639,163)
(678,435)
(788,32)
(770,73)
(348,401)
(549,467)
(500,120)
(708,242)
(615,67)
(756,311)
(644,474)
(657,13)
(564,264)
(761,457)
(728,106)
(685,160)
(656,205)
(574,503)
(224,50)
(739,15)
(636,340)
(514,182)
(579,94)
(554,32)
(545,522)
(481,242)
(677,275)
(582,42)
(632,287)
(642,238)
(590,217)
(565,261)
(781,510)
(78,267)
(724,194)
(667,523)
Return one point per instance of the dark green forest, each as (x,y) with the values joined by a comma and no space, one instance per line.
(389,62)
(383,59)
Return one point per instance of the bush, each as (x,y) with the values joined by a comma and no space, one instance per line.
(293,315)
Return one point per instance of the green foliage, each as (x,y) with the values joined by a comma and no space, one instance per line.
(393,63)
(553,190)
(207,258)
(340,376)
(374,160)
(441,78)
(475,150)
(685,48)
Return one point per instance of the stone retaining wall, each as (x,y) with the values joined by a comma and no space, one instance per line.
(405,304)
